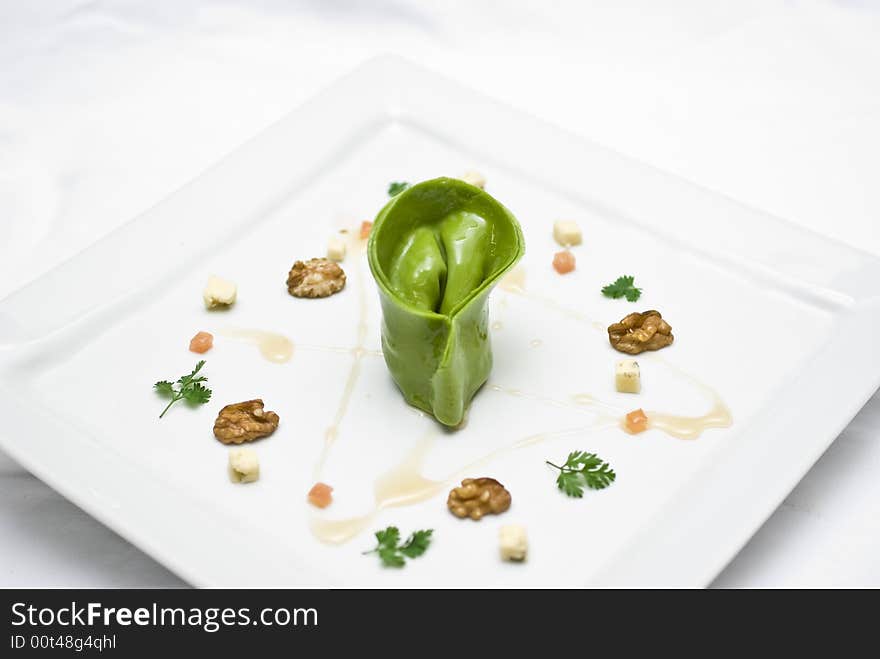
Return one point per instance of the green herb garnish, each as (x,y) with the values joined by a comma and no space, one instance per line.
(190,388)
(392,553)
(623,287)
(396,188)
(583,469)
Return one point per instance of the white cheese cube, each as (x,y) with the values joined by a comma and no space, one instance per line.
(475,179)
(513,542)
(627,377)
(219,293)
(244,467)
(567,233)
(336,249)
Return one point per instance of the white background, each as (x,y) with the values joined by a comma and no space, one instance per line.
(107,107)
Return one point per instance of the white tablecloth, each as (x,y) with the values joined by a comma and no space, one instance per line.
(107,107)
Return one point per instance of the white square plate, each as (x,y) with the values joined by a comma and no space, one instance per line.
(776,320)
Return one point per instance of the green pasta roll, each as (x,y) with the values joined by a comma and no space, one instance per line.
(436,251)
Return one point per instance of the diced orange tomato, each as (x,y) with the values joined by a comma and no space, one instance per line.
(366,227)
(636,421)
(201,342)
(563,262)
(321,495)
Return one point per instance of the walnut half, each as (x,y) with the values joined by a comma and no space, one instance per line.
(244,422)
(638,332)
(315,278)
(476,497)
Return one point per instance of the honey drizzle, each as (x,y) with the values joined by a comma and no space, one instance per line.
(689,427)
(274,347)
(515,283)
(358,352)
(577,401)
(279,349)
(404,484)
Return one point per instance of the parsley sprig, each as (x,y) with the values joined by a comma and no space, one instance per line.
(583,469)
(397,187)
(190,389)
(623,287)
(392,553)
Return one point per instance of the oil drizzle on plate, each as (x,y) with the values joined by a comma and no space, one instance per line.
(589,400)
(577,401)
(691,427)
(403,485)
(357,353)
(680,426)
(515,282)
(274,347)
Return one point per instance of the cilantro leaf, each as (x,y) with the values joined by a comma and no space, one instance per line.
(570,483)
(417,544)
(389,537)
(190,388)
(392,553)
(599,478)
(186,379)
(198,394)
(583,469)
(164,388)
(633,294)
(623,287)
(396,188)
(391,557)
